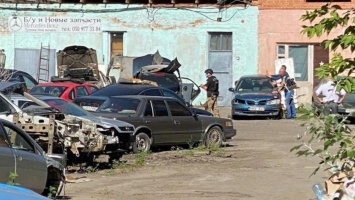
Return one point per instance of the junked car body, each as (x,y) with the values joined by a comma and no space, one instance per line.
(57,132)
(166,121)
(20,154)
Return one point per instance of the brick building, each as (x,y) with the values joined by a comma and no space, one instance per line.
(279,28)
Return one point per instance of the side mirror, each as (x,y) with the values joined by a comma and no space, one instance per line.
(231,89)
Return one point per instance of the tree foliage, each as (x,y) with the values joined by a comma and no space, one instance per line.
(329,137)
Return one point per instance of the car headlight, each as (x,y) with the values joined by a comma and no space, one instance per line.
(273,102)
(229,123)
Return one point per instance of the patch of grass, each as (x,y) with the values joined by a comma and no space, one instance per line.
(189,152)
(141,158)
(52,192)
(91,169)
(211,147)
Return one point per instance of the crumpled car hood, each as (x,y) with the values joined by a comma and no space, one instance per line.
(110,122)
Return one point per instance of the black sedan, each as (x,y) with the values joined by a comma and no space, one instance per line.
(93,101)
(166,121)
(254,95)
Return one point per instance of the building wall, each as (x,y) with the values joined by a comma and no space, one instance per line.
(286,28)
(181,33)
(296,4)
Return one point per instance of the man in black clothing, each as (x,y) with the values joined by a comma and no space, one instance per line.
(211,87)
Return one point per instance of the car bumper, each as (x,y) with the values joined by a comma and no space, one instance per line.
(263,110)
(229,133)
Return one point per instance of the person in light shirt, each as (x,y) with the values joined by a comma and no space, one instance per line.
(329,97)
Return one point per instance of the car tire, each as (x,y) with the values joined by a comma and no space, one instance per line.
(214,136)
(280,115)
(142,143)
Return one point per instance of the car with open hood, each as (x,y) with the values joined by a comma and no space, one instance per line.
(161,121)
(254,95)
(57,132)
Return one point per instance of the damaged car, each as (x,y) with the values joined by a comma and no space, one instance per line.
(31,166)
(57,132)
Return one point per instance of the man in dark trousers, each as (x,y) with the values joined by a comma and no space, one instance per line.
(211,86)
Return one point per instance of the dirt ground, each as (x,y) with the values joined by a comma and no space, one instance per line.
(257,164)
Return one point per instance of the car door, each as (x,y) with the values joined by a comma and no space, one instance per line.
(157,118)
(187,128)
(31,166)
(7,157)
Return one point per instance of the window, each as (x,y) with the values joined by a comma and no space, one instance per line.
(81,91)
(148,109)
(300,54)
(177,109)
(3,142)
(71,94)
(159,108)
(28,82)
(151,92)
(17,140)
(169,93)
(220,41)
(92,89)
(4,107)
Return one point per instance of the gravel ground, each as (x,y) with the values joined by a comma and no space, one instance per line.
(256,164)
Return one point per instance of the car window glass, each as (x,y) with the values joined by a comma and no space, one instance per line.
(71,94)
(17,140)
(53,90)
(159,108)
(169,93)
(81,91)
(28,82)
(2,139)
(148,109)
(4,106)
(151,92)
(92,89)
(177,109)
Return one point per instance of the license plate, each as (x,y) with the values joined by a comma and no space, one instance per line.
(89,108)
(254,108)
(350,110)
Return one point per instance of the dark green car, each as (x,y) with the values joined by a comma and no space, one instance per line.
(166,121)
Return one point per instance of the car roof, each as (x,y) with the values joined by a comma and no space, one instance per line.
(144,97)
(62,83)
(254,76)
(126,89)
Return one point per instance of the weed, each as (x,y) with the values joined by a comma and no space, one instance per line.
(91,169)
(52,192)
(115,164)
(189,152)
(11,179)
(141,157)
(211,147)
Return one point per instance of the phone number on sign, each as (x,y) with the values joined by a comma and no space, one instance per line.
(86,29)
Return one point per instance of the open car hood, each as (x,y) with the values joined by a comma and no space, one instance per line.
(173,66)
(78,62)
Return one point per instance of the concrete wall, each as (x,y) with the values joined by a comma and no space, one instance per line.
(181,33)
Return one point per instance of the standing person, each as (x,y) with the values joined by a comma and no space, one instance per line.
(331,98)
(211,86)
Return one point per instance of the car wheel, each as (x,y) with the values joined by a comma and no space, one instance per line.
(214,136)
(280,115)
(142,143)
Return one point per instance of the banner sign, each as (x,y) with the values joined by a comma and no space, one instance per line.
(54,24)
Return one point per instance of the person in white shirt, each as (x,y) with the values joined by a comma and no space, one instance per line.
(330,97)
